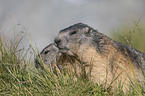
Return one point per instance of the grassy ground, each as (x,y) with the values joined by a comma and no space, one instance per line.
(18,78)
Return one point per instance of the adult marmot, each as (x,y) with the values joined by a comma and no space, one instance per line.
(105,58)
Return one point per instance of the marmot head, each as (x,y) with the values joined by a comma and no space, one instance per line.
(49,55)
(73,37)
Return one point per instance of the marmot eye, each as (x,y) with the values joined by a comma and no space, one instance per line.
(46,52)
(73,32)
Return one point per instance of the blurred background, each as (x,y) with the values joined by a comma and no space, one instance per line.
(42,19)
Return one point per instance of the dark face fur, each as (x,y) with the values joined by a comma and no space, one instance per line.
(72,36)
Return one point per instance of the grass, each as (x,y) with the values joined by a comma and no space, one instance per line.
(17,77)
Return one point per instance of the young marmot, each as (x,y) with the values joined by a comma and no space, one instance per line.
(54,60)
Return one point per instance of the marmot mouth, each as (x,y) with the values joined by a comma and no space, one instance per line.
(66,51)
(63,50)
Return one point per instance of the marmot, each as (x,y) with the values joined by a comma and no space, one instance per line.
(48,56)
(54,60)
(105,58)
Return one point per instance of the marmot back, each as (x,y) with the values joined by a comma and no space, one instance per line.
(106,58)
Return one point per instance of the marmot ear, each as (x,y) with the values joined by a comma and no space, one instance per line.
(87,31)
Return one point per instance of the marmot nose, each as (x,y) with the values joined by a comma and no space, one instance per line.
(57,41)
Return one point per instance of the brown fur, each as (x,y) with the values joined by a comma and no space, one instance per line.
(108,67)
(71,65)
